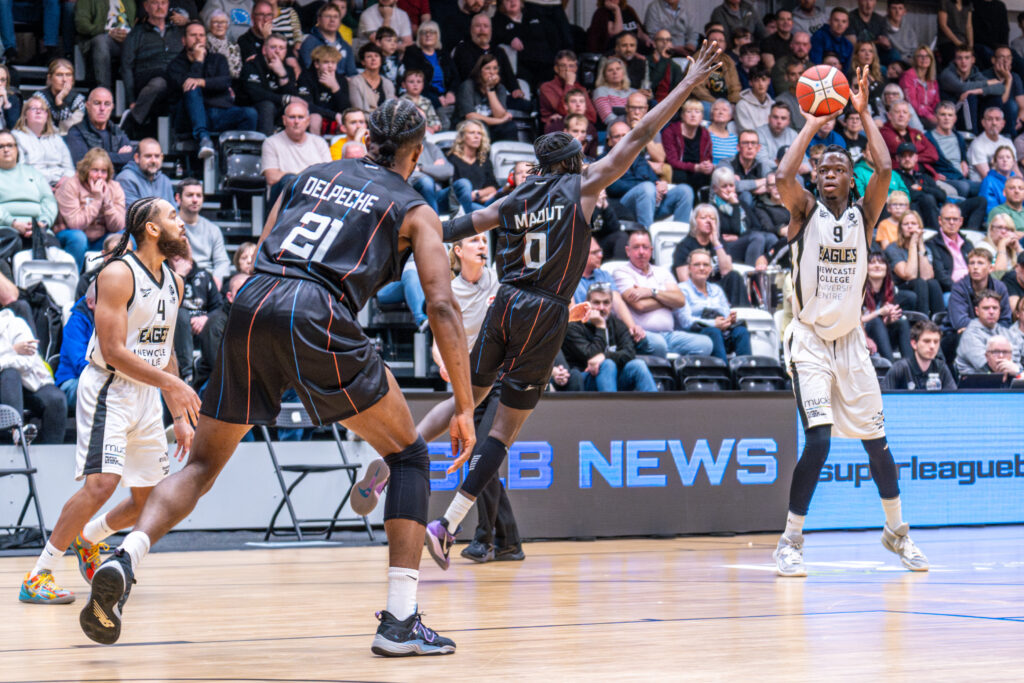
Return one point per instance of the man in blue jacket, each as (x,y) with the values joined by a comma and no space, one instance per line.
(74,343)
(830,38)
(328,19)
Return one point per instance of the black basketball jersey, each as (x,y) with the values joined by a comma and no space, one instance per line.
(544,238)
(338,225)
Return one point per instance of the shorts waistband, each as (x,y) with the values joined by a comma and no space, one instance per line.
(544,294)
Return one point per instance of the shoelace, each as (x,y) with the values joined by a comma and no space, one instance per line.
(93,555)
(46,581)
(418,627)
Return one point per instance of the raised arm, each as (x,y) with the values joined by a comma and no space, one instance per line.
(877,189)
(799,201)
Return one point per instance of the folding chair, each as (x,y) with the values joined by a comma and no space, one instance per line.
(294,416)
(10,421)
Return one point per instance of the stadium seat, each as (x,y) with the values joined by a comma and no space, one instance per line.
(940,318)
(661,370)
(587,74)
(443,139)
(764,336)
(20,534)
(58,273)
(241,169)
(93,260)
(505,154)
(664,237)
(702,373)
(882,365)
(973,236)
(294,416)
(915,317)
(758,373)
(611,266)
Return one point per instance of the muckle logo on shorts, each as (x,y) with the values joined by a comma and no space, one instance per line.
(165,464)
(113,454)
(816,407)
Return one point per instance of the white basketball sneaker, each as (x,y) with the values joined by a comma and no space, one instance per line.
(789,556)
(898,541)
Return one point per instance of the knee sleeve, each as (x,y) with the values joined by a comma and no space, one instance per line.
(883,467)
(805,477)
(484,464)
(409,483)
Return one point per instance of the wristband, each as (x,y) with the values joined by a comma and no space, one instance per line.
(459,228)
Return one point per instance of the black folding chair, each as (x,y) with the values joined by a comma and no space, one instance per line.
(19,532)
(294,416)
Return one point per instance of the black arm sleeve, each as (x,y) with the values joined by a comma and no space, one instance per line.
(459,228)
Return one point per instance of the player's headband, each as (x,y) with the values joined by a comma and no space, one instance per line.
(567,152)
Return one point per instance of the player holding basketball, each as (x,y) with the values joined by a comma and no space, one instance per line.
(121,436)
(336,235)
(834,381)
(543,246)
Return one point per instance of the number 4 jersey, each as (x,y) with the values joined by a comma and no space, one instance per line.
(338,226)
(544,238)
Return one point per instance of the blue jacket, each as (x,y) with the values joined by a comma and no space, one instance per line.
(347,65)
(74,343)
(961,302)
(944,165)
(136,185)
(639,172)
(823,41)
(992,188)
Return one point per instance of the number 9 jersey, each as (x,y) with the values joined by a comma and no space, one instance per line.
(338,226)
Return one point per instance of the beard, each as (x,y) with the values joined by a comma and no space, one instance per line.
(172,246)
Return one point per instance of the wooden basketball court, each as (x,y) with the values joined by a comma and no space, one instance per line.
(693,608)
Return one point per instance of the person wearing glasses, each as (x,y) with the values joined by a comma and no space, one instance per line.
(251,42)
(949,249)
(25,195)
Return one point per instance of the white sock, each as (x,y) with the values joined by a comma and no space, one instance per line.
(457,511)
(794,525)
(893,512)
(47,559)
(97,530)
(136,544)
(402,584)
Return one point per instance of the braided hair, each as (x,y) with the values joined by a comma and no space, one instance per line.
(138,215)
(550,144)
(392,126)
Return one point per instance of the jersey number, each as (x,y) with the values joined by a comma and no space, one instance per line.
(541,238)
(161,310)
(837,233)
(301,240)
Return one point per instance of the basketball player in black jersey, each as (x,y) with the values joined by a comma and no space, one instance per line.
(543,244)
(336,235)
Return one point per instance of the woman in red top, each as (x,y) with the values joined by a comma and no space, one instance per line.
(688,147)
(920,86)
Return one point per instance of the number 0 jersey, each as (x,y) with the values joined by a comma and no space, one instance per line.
(338,226)
(829,271)
(152,313)
(544,238)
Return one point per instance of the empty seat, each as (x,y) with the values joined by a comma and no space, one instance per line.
(662,372)
(758,373)
(764,336)
(881,364)
(702,373)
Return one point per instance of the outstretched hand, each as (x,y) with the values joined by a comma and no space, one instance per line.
(705,62)
(859,99)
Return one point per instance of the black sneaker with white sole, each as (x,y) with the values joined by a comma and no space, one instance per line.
(408,638)
(101,617)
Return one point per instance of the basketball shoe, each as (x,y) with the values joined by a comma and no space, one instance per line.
(407,638)
(477,551)
(789,556)
(440,541)
(366,492)
(43,590)
(898,541)
(510,553)
(101,617)
(88,555)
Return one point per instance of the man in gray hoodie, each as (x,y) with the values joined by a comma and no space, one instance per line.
(971,354)
(142,176)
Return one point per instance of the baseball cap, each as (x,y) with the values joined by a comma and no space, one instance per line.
(906,148)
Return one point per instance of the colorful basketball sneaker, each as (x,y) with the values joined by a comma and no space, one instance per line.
(111,584)
(43,590)
(88,555)
(408,638)
(789,556)
(366,492)
(440,541)
(898,541)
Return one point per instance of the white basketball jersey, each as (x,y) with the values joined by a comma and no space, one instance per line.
(152,313)
(829,271)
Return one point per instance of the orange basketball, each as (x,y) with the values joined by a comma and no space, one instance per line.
(822,90)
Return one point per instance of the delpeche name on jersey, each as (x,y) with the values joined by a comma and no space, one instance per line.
(340,195)
(525,221)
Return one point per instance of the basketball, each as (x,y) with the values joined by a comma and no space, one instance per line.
(822,90)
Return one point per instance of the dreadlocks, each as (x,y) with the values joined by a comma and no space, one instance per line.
(138,215)
(393,126)
(557,153)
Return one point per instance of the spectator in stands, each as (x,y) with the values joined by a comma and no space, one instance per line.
(369,89)
(326,95)
(356,150)
(775,135)
(755,103)
(867,25)
(897,131)
(328,21)
(949,249)
(91,203)
(951,147)
(468,52)
(991,24)
(736,14)
(601,348)
(473,182)
(902,37)
(483,98)
(555,94)
(250,43)
(961,81)
(688,147)
(749,59)
(593,274)
(39,143)
(97,130)
(973,352)
(353,129)
(776,45)
(809,16)
(535,42)
(637,107)
(770,215)
(788,96)
(611,90)
(704,234)
(1011,100)
(723,83)
(636,65)
(142,176)
(722,131)
(1013,205)
(201,296)
(270,83)
(925,195)
(1014,281)
(611,18)
(244,258)
(882,318)
(980,152)
(911,270)
(923,371)
(217,42)
(146,52)
(209,340)
(955,30)
(1002,243)
(674,17)
(412,84)
(74,343)
(384,13)
(708,306)
(25,380)
(852,129)
(101,31)
(642,192)
(967,290)
(205,238)
(433,172)
(750,172)
(921,86)
(865,168)
(24,194)
(204,78)
(238,14)
(10,100)
(652,295)
(391,61)
(1003,167)
(455,18)
(827,135)
(663,73)
(293,149)
(1017,44)
(831,38)
(743,243)
(66,107)
(286,23)
(407,290)
(439,74)
(799,51)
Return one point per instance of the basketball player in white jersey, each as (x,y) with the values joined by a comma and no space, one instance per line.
(834,381)
(121,436)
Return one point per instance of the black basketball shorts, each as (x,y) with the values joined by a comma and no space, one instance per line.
(289,333)
(517,345)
